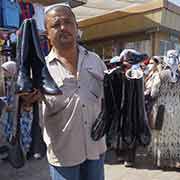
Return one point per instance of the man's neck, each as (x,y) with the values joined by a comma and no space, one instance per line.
(69,57)
(69,54)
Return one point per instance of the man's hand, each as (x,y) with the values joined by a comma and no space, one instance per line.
(31,98)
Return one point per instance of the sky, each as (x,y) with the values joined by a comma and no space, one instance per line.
(177,2)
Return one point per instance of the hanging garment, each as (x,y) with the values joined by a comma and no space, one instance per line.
(27,10)
(26,119)
(44,45)
(1,16)
(11,13)
(39,16)
(16,155)
(8,117)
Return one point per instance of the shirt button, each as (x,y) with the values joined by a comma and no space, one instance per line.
(83,106)
(85,122)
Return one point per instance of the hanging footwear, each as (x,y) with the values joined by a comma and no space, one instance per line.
(143,131)
(41,77)
(142,128)
(132,56)
(24,83)
(129,118)
(131,128)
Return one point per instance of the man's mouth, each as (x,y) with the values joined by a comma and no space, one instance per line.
(65,35)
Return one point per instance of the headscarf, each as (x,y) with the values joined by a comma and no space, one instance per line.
(115,59)
(156,59)
(172,61)
(10,67)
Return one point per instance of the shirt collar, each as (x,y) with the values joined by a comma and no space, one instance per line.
(53,56)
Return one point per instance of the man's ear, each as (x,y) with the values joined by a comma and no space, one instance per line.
(45,33)
(48,38)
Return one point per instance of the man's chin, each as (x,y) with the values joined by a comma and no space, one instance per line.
(66,46)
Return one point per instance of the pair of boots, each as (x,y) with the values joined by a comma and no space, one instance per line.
(30,59)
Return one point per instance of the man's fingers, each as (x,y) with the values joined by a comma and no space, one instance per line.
(32,97)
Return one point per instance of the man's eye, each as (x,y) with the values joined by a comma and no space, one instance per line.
(68,22)
(65,22)
(55,25)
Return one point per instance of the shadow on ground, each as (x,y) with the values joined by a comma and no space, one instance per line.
(142,161)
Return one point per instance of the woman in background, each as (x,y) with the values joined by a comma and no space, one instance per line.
(7,116)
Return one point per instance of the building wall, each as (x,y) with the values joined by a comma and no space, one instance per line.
(170,19)
(125,25)
(156,28)
(152,43)
(166,41)
(109,47)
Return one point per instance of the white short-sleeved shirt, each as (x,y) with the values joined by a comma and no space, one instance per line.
(68,118)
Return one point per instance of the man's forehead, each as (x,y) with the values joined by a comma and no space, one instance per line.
(53,6)
(60,11)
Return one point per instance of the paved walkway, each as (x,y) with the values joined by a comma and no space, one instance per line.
(38,170)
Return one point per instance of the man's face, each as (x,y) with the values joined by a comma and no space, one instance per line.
(61,28)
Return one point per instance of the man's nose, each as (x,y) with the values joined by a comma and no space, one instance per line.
(62,27)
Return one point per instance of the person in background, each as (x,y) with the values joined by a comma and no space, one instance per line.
(152,76)
(9,122)
(151,85)
(172,61)
(114,62)
(165,114)
(9,70)
(68,118)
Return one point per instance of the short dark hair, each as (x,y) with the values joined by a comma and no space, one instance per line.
(55,9)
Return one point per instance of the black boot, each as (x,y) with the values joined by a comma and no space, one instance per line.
(130,125)
(136,58)
(41,77)
(132,56)
(24,83)
(37,147)
(130,157)
(128,119)
(143,131)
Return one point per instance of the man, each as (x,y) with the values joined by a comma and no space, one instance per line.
(68,118)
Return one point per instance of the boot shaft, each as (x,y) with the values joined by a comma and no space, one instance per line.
(23,83)
(30,58)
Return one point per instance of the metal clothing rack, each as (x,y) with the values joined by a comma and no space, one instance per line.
(8,30)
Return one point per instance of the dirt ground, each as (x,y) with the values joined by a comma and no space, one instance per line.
(38,170)
(33,170)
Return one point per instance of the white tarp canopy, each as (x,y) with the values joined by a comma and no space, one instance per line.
(99,7)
